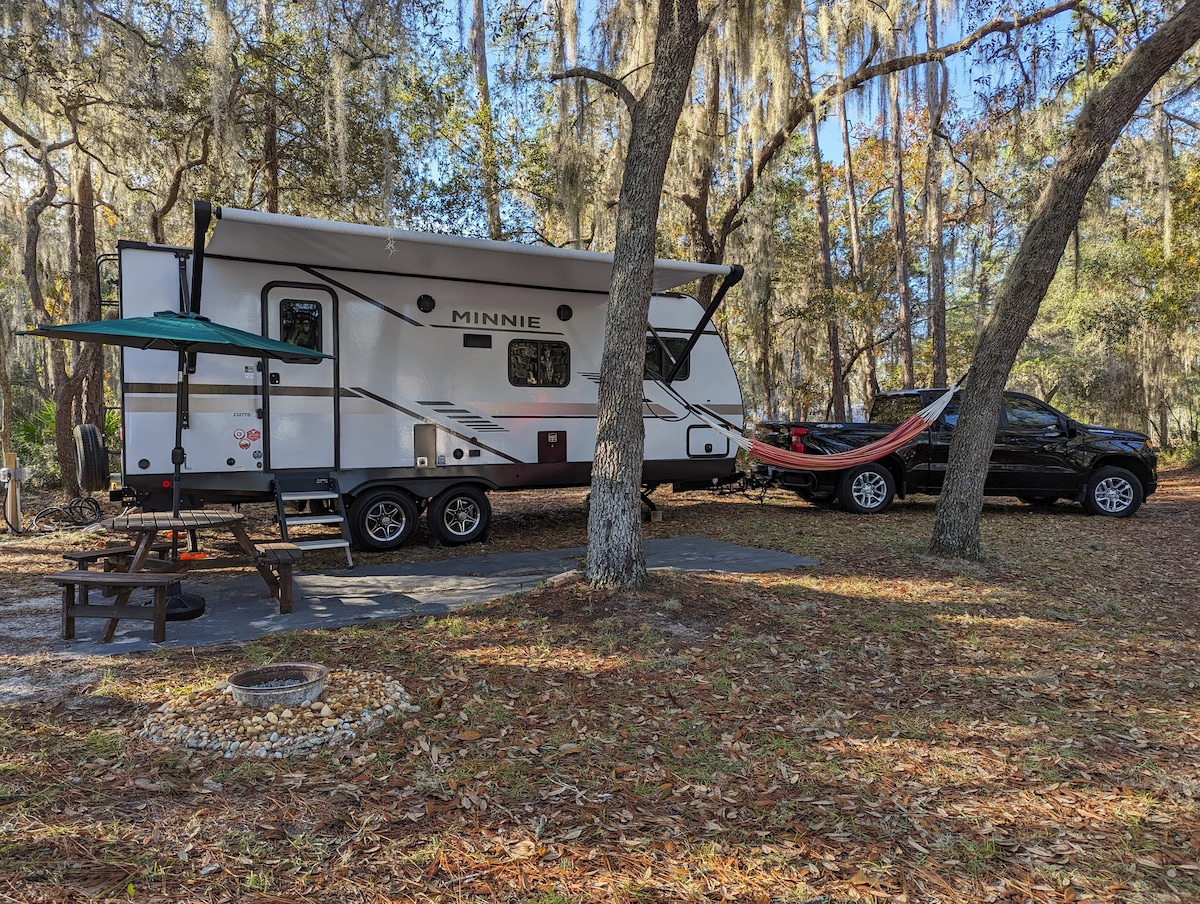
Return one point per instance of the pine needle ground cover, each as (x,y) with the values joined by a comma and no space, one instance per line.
(880,727)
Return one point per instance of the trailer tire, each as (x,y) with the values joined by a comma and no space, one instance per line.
(868,489)
(383,519)
(461,514)
(91,458)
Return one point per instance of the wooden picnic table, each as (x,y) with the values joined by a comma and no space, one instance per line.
(273,561)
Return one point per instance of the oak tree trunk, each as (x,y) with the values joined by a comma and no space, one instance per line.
(1103,116)
(615,557)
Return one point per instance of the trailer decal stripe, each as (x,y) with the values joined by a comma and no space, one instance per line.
(419,417)
(193,389)
(312,271)
(475,328)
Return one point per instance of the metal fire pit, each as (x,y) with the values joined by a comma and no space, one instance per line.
(285,684)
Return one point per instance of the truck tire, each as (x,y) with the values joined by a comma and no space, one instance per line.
(91,458)
(868,489)
(383,519)
(461,514)
(1114,492)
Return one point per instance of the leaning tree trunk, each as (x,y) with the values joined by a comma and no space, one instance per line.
(1104,115)
(615,557)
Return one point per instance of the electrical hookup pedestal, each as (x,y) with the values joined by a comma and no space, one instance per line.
(11,476)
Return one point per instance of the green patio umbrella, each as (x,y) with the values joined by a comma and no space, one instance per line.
(183,333)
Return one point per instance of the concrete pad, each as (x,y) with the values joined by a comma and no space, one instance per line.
(240,609)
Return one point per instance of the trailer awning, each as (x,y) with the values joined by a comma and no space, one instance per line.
(247,234)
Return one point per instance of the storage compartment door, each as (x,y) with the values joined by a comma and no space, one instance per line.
(705,442)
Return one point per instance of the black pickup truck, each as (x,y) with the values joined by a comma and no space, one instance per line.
(1040,456)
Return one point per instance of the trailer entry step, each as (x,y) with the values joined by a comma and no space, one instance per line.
(322,497)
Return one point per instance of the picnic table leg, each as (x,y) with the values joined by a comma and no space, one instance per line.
(140,554)
(68,602)
(247,545)
(160,613)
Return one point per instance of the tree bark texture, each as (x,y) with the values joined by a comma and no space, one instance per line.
(86,299)
(615,556)
(1101,120)
(900,236)
(934,202)
(487,135)
(837,397)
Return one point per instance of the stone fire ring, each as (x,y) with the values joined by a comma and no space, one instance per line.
(283,684)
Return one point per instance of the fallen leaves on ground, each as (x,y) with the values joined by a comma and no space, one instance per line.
(881,727)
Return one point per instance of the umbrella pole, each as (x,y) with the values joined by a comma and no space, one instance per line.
(177,454)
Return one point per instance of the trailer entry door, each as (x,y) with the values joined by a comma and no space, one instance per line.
(300,410)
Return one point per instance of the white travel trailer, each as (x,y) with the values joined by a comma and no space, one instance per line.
(461,366)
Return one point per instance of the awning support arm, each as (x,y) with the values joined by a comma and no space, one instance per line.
(202,215)
(732,279)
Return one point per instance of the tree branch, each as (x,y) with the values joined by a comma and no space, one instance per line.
(615,85)
(861,76)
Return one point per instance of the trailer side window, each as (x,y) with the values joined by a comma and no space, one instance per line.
(659,363)
(300,323)
(537,362)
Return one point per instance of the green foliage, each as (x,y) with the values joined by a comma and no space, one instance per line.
(33,437)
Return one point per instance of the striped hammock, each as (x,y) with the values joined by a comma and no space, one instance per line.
(802,461)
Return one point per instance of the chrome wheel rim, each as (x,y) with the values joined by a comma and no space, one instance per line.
(1113,495)
(869,489)
(385,521)
(461,516)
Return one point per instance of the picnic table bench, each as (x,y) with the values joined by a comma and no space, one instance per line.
(127,567)
(83,580)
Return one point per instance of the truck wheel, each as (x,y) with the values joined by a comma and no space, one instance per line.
(383,519)
(460,514)
(91,458)
(868,489)
(1114,492)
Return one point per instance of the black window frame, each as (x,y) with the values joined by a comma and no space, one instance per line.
(287,318)
(543,379)
(658,364)
(1050,419)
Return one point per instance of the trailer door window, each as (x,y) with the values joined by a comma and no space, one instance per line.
(537,362)
(659,363)
(300,323)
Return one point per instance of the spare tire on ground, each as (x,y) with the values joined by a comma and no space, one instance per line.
(91,458)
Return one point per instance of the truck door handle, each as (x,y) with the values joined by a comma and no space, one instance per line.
(274,379)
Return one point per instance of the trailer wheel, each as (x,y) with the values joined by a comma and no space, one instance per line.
(91,458)
(867,489)
(460,514)
(383,519)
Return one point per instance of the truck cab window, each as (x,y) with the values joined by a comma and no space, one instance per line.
(659,363)
(300,323)
(1026,414)
(537,362)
